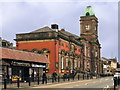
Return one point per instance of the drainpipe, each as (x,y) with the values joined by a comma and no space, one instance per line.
(55,54)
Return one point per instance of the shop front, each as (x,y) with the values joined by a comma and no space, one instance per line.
(22,67)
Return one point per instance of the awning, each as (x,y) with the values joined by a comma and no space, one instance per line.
(18,55)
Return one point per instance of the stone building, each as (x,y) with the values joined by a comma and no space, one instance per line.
(66,51)
(5,43)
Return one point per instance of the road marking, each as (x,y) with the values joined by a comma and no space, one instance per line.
(86,83)
(76,85)
(106,79)
(105,88)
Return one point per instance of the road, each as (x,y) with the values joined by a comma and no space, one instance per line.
(93,83)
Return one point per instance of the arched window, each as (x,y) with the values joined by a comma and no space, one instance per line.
(87,14)
(35,50)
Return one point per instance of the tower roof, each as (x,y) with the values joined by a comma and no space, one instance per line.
(89,11)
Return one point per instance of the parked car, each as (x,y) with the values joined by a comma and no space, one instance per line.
(15,78)
(116,75)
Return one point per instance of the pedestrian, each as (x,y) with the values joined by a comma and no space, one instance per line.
(73,73)
(54,76)
(44,77)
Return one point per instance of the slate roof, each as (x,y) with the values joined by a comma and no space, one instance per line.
(69,34)
(48,29)
(18,55)
(44,29)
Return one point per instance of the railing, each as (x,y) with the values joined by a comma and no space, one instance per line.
(29,81)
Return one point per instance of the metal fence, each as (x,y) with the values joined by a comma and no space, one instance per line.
(29,81)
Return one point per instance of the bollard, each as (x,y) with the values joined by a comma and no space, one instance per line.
(29,81)
(38,80)
(115,83)
(73,77)
(78,77)
(83,76)
(68,78)
(18,82)
(52,80)
(118,80)
(63,79)
(87,76)
(58,78)
(5,83)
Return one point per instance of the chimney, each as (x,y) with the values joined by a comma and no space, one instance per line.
(54,26)
(62,30)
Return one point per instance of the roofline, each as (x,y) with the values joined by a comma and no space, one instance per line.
(21,51)
(24,61)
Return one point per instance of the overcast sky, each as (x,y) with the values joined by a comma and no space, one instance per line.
(25,16)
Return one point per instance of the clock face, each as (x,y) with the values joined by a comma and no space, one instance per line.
(87,27)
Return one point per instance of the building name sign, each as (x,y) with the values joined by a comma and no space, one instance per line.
(20,64)
(33,65)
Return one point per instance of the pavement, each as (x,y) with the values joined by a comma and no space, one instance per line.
(102,83)
(105,83)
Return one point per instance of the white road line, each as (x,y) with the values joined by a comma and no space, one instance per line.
(86,83)
(76,85)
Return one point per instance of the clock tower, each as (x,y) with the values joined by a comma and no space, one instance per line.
(89,37)
(89,24)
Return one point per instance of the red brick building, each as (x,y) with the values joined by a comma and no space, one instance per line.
(65,50)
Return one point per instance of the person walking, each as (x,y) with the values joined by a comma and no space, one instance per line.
(44,77)
(54,76)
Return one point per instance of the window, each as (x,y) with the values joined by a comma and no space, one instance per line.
(62,62)
(67,62)
(67,46)
(62,44)
(75,63)
(96,53)
(87,14)
(85,50)
(4,44)
(72,47)
(88,52)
